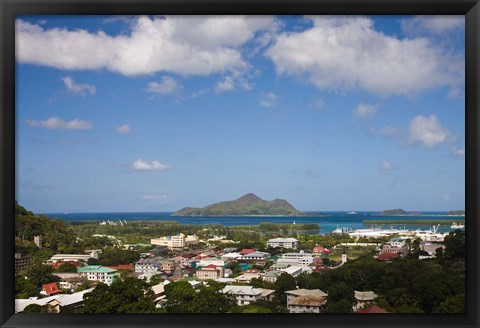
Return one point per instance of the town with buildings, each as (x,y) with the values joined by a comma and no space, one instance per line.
(278,273)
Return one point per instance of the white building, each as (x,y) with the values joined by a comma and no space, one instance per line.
(70,257)
(271,276)
(307,304)
(247,294)
(363,298)
(232,256)
(256,256)
(206,262)
(295,270)
(69,280)
(248,275)
(98,273)
(175,242)
(397,242)
(209,272)
(300,258)
(283,243)
(54,302)
(147,265)
(306,300)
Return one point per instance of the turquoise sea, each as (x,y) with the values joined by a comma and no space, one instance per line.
(327,221)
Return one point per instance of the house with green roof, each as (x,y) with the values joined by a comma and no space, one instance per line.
(98,273)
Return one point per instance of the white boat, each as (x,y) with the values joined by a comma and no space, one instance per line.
(457,225)
(352,212)
(342,230)
(337,231)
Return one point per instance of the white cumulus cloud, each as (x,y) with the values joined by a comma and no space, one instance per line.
(458,152)
(434,24)
(385,166)
(55,123)
(186,45)
(167,85)
(268,99)
(429,131)
(343,54)
(80,89)
(227,84)
(141,165)
(123,129)
(365,110)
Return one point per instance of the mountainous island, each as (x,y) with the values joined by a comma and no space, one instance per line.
(247,205)
(399,211)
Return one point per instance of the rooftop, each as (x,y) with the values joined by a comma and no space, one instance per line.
(51,288)
(365,296)
(246,290)
(283,240)
(372,309)
(307,292)
(309,301)
(95,268)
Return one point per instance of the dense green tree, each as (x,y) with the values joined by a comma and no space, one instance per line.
(212,300)
(283,283)
(253,308)
(180,295)
(67,267)
(156,279)
(112,256)
(455,246)
(20,210)
(453,304)
(341,298)
(93,261)
(25,288)
(35,308)
(341,306)
(40,274)
(129,296)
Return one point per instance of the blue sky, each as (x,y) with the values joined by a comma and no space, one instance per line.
(158,113)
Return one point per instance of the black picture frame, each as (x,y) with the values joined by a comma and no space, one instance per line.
(9,9)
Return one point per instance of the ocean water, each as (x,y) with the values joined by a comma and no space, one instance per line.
(328,221)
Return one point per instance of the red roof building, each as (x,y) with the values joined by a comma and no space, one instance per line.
(127,267)
(246,251)
(59,263)
(372,309)
(318,250)
(386,256)
(51,288)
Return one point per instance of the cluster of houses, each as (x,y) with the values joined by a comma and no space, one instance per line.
(399,246)
(199,266)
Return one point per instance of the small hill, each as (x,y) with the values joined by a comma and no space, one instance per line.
(456,212)
(247,205)
(400,212)
(397,211)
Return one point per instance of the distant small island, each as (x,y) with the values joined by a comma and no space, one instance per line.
(456,213)
(399,211)
(247,205)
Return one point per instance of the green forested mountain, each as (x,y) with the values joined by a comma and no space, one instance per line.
(248,204)
(57,236)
